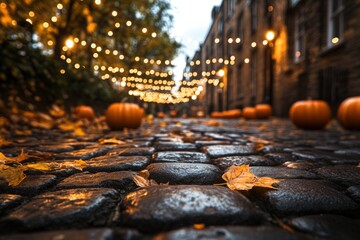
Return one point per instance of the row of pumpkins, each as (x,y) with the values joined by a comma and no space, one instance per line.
(307,114)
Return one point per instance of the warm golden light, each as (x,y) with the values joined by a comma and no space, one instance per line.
(270,35)
(335,40)
(221,73)
(69,43)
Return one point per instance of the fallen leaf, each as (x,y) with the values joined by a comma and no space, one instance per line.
(110,141)
(8,160)
(23,132)
(52,166)
(163,124)
(12,175)
(241,178)
(79,132)
(56,111)
(77,164)
(213,123)
(44,124)
(4,142)
(39,166)
(258,140)
(141,179)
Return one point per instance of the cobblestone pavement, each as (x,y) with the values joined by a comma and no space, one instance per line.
(318,196)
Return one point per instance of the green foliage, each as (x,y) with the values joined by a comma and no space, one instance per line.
(32,44)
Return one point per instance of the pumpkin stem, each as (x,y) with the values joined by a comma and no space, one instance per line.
(124,99)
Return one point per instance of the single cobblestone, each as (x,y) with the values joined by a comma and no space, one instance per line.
(85,153)
(183,156)
(234,233)
(118,180)
(86,234)
(8,201)
(282,173)
(346,175)
(294,196)
(174,146)
(61,209)
(228,150)
(226,162)
(116,163)
(32,184)
(167,207)
(354,192)
(332,227)
(185,173)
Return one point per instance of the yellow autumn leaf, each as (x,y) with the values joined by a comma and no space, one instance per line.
(39,166)
(241,178)
(266,182)
(110,141)
(258,140)
(44,124)
(79,132)
(56,111)
(12,175)
(77,164)
(6,160)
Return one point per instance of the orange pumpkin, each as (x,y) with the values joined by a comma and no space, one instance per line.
(216,115)
(349,113)
(234,113)
(310,114)
(249,113)
(160,115)
(263,111)
(124,115)
(83,111)
(173,113)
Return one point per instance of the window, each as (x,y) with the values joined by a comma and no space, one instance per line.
(299,50)
(254,16)
(230,7)
(335,22)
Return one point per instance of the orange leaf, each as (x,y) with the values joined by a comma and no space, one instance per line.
(258,140)
(141,179)
(6,160)
(110,141)
(79,132)
(4,142)
(12,175)
(241,178)
(266,182)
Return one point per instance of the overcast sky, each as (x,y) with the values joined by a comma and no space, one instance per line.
(192,19)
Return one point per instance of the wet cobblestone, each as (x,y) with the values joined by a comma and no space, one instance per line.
(318,196)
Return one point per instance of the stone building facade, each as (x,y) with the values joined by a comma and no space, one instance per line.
(315,53)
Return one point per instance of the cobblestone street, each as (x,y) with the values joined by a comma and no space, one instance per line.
(318,196)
